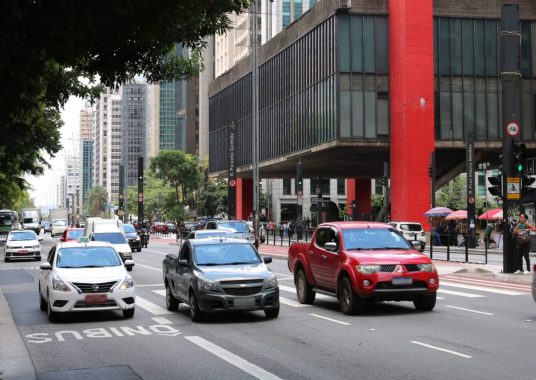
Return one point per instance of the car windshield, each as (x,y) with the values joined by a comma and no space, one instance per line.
(20,236)
(411,227)
(87,257)
(59,223)
(225,254)
(110,237)
(74,234)
(373,238)
(129,228)
(6,220)
(240,227)
(212,233)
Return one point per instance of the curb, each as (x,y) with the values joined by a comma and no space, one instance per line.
(15,360)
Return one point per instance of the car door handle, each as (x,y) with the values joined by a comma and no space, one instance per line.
(311,253)
(324,257)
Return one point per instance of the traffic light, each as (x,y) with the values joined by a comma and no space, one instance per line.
(496,188)
(299,179)
(526,183)
(518,151)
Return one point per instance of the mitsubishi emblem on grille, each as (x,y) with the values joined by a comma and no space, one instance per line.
(95,288)
(399,269)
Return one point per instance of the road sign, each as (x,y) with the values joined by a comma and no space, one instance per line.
(121,212)
(513,188)
(140,197)
(232,182)
(300,193)
(512,128)
(319,199)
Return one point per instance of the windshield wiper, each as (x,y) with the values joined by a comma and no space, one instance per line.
(241,263)
(90,266)
(209,264)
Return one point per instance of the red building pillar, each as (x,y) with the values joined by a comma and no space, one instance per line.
(411,72)
(244,198)
(358,190)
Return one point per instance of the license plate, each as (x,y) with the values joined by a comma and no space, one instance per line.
(23,252)
(96,298)
(244,301)
(402,281)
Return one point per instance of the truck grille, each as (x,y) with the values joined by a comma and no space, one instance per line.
(388,285)
(103,287)
(388,268)
(83,305)
(243,291)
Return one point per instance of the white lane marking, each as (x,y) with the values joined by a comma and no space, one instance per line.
(283,275)
(147,285)
(233,359)
(160,292)
(146,266)
(493,284)
(293,290)
(440,298)
(461,294)
(151,307)
(330,319)
(470,310)
(152,251)
(292,303)
(480,288)
(162,321)
(441,349)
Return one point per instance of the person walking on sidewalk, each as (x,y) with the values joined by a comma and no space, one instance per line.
(523,241)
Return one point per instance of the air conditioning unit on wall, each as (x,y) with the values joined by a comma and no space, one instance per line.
(345,4)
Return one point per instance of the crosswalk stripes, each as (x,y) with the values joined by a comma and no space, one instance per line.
(461,294)
(480,288)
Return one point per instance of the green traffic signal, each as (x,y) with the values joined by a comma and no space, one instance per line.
(520,168)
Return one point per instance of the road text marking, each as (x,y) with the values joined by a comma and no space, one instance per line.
(162,321)
(470,310)
(330,319)
(441,349)
(233,359)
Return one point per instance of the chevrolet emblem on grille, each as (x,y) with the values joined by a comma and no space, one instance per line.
(243,285)
(95,288)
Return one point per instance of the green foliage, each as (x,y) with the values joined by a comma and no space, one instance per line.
(155,192)
(12,197)
(454,196)
(180,171)
(96,201)
(213,200)
(46,47)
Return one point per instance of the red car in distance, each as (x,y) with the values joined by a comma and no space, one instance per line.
(72,234)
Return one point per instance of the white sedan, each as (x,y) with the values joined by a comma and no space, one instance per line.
(22,244)
(85,277)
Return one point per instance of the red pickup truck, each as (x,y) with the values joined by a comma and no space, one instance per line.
(360,262)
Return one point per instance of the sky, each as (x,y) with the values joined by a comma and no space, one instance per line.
(44,187)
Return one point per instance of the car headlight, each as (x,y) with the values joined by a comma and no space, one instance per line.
(127,283)
(271,282)
(367,269)
(58,284)
(427,267)
(211,286)
(36,246)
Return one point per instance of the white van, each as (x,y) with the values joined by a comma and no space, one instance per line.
(93,221)
(112,234)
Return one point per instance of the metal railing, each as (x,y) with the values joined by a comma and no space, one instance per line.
(460,248)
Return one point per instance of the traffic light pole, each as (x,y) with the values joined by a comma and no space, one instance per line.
(140,190)
(511,115)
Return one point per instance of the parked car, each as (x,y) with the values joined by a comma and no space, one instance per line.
(159,227)
(85,277)
(22,244)
(412,231)
(359,262)
(214,276)
(72,234)
(58,227)
(134,240)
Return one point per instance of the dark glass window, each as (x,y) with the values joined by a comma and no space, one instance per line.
(341,186)
(324,186)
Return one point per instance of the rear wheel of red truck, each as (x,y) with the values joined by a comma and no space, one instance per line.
(304,291)
(350,302)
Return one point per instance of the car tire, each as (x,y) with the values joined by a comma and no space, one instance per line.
(172,304)
(425,303)
(52,315)
(139,249)
(349,302)
(6,260)
(42,302)
(304,291)
(129,269)
(272,313)
(128,313)
(195,313)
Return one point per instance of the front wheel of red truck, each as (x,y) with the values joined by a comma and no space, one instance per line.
(304,291)
(350,302)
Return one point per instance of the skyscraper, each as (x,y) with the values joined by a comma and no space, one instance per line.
(86,151)
(278,14)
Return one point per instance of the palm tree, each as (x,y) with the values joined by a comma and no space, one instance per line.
(96,200)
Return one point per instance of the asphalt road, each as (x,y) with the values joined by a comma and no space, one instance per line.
(478,330)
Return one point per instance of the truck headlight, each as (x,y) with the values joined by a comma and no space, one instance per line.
(427,267)
(127,283)
(58,284)
(367,269)
(271,282)
(211,286)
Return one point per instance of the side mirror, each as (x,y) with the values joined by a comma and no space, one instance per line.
(267,259)
(182,263)
(330,246)
(39,238)
(129,263)
(416,244)
(45,266)
(62,238)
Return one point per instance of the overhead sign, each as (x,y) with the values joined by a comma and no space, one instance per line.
(513,187)
(319,199)
(512,129)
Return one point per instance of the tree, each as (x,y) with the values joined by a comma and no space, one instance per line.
(154,194)
(213,200)
(454,196)
(96,201)
(181,172)
(47,46)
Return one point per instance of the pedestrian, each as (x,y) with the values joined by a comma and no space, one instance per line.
(521,232)
(436,234)
(452,232)
(487,234)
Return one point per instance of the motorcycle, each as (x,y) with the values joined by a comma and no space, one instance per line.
(144,237)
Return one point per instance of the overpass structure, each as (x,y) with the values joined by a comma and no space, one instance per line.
(346,88)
